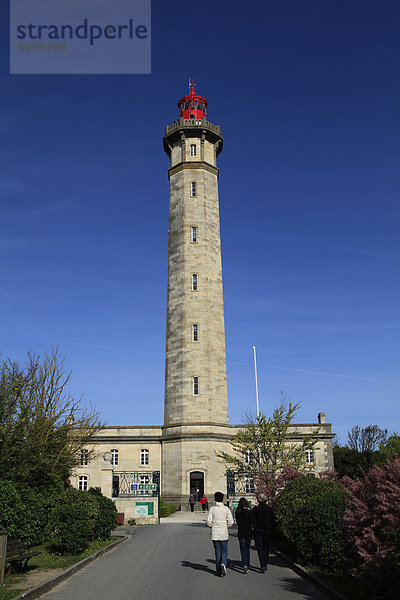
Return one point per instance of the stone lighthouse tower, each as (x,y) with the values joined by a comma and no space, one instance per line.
(196,404)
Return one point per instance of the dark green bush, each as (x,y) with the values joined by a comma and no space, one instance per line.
(35,522)
(310,514)
(106,519)
(75,516)
(25,512)
(166,509)
(10,509)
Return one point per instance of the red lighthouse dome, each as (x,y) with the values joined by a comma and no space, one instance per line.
(192,106)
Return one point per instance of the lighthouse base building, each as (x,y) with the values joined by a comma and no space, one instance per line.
(135,465)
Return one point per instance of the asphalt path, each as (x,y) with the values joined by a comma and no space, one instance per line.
(175,561)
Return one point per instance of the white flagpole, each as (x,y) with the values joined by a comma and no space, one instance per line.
(255,375)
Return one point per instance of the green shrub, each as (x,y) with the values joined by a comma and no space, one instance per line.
(106,519)
(166,509)
(26,512)
(75,516)
(11,509)
(35,526)
(310,514)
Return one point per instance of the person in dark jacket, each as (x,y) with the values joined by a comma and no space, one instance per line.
(264,521)
(245,520)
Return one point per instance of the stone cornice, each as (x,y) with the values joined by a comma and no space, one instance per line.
(179,437)
(193,165)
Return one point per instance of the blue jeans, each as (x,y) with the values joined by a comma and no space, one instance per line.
(221,554)
(244,544)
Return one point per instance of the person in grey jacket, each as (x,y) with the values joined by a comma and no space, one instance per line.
(220,519)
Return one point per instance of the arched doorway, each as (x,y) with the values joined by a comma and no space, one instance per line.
(197,484)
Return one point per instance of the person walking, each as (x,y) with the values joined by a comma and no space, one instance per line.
(245,521)
(220,519)
(192,501)
(203,502)
(264,521)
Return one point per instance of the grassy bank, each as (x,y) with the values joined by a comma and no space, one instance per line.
(50,558)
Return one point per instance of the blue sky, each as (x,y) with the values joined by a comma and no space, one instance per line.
(307,96)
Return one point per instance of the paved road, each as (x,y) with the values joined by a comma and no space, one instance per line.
(175,561)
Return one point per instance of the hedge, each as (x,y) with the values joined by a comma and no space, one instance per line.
(310,513)
(106,519)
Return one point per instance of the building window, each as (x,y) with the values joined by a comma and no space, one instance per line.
(114,457)
(83,483)
(194,282)
(193,151)
(193,189)
(143,480)
(144,457)
(115,486)
(193,237)
(248,457)
(310,457)
(195,332)
(84,457)
(248,485)
(195,381)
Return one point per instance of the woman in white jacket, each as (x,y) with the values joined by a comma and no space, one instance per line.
(219,519)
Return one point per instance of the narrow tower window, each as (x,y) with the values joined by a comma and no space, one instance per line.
(194,282)
(193,189)
(194,235)
(195,386)
(195,332)
(193,151)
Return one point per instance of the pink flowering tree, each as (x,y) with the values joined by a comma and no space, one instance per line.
(372,530)
(272,487)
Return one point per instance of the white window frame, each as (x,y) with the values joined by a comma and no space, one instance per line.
(193,189)
(144,457)
(248,485)
(310,457)
(83,459)
(114,457)
(195,332)
(195,282)
(193,150)
(248,457)
(143,479)
(193,234)
(83,482)
(195,386)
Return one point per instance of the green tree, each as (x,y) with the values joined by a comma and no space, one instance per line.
(390,449)
(366,438)
(42,426)
(352,463)
(261,449)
